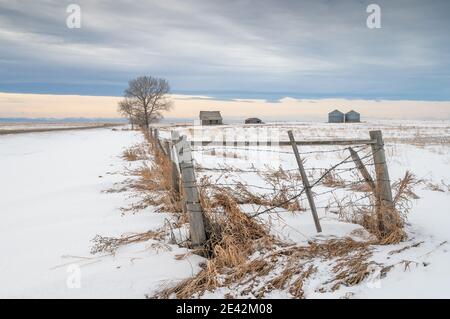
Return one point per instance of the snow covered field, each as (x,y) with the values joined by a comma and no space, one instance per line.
(53,204)
(420,147)
(33,126)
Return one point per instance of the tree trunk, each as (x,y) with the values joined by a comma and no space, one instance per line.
(147,124)
(132,123)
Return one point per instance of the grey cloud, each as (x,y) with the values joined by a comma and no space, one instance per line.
(247,45)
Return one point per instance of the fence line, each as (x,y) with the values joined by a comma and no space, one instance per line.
(284,143)
(178,150)
(274,151)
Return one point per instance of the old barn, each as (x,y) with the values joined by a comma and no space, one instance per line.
(210,117)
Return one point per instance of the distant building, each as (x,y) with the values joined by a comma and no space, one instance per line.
(253,120)
(352,117)
(210,117)
(336,116)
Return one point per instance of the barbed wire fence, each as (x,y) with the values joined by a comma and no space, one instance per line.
(179,151)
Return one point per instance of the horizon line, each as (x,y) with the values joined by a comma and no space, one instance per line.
(279,96)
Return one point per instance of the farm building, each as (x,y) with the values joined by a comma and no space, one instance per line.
(253,120)
(336,116)
(352,117)
(210,117)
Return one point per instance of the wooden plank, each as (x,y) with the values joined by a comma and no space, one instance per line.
(174,171)
(362,169)
(149,133)
(155,135)
(281,143)
(383,186)
(194,209)
(305,181)
(167,151)
(158,143)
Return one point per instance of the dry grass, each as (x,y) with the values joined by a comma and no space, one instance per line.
(278,177)
(231,233)
(404,190)
(282,268)
(362,187)
(104,244)
(333,180)
(232,237)
(136,153)
(348,259)
(389,229)
(397,251)
(278,198)
(435,187)
(130,155)
(386,223)
(280,186)
(153,184)
(284,185)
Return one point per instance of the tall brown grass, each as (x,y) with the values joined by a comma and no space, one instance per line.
(232,237)
(385,222)
(153,186)
(136,153)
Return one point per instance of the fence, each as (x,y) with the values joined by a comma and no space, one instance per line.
(184,184)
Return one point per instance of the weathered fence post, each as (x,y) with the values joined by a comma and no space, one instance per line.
(362,170)
(194,209)
(175,177)
(167,149)
(305,181)
(383,186)
(155,137)
(158,142)
(149,132)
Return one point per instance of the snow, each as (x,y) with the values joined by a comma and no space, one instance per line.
(421,147)
(33,126)
(429,222)
(53,204)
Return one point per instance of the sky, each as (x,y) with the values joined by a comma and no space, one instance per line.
(257,50)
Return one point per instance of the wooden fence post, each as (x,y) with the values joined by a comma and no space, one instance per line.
(362,170)
(383,186)
(155,135)
(305,181)
(149,132)
(194,209)
(167,148)
(175,176)
(158,142)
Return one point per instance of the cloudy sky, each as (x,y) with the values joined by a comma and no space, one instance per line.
(258,49)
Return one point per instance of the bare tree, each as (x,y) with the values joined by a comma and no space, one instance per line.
(147,97)
(126,109)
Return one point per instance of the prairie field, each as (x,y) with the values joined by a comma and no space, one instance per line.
(97,201)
